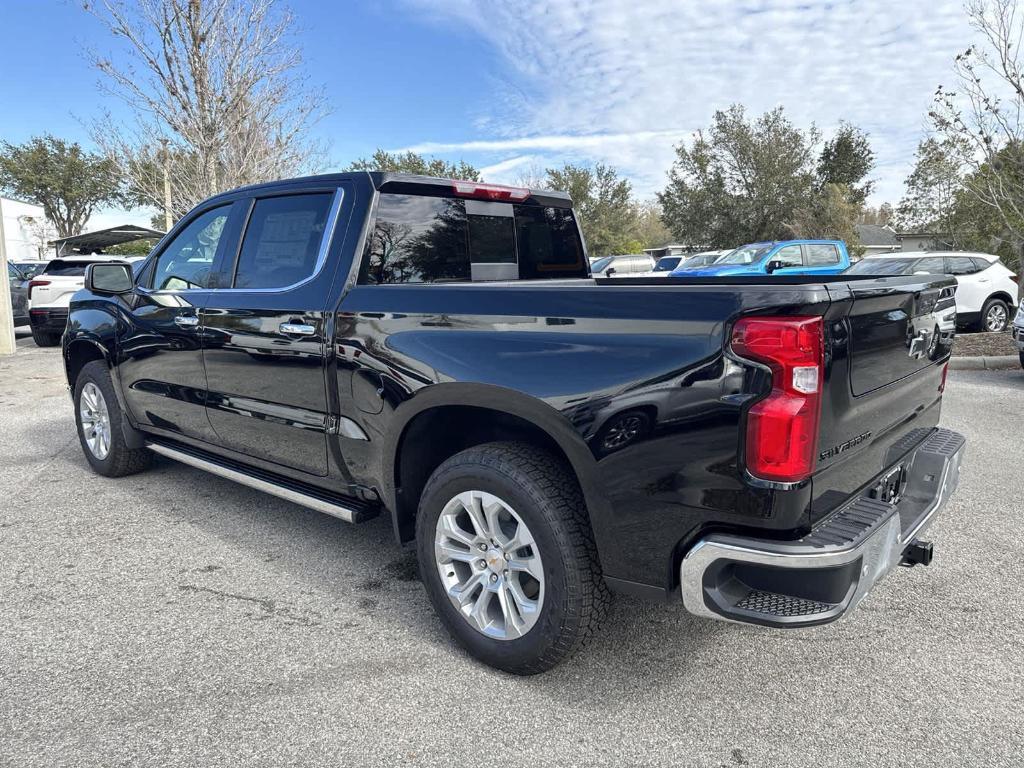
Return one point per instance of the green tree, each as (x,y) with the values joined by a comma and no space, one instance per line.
(930,198)
(651,230)
(847,159)
(410,162)
(605,209)
(831,215)
(68,182)
(740,181)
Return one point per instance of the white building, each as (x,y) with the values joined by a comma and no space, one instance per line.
(26,230)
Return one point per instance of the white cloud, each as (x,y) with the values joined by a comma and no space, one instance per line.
(603,80)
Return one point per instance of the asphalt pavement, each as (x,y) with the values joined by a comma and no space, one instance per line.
(174,618)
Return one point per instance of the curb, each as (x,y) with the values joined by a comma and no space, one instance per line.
(983,363)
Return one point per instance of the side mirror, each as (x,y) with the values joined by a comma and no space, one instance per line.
(110,279)
(609,272)
(774,265)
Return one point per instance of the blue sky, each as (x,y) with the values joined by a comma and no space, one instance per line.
(514,86)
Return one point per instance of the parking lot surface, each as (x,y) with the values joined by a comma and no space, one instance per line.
(175,618)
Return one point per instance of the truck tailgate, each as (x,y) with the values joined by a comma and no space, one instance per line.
(888,343)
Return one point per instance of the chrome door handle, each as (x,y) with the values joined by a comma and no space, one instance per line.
(297,329)
(186,321)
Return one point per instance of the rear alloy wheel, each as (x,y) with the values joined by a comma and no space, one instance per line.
(99,418)
(488,562)
(995,316)
(507,556)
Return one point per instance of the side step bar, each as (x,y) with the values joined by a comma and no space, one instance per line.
(351,511)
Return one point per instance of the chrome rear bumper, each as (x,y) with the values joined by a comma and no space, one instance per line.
(817,579)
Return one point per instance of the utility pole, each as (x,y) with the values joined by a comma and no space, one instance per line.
(6,310)
(165,157)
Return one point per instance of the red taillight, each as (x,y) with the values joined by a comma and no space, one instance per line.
(945,372)
(782,429)
(33,283)
(489,191)
(1015,278)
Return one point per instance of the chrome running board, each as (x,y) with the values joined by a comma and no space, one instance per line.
(320,504)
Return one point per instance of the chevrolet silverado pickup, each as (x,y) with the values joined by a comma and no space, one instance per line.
(762,449)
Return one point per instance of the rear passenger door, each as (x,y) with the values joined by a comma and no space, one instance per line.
(973,285)
(264,331)
(821,258)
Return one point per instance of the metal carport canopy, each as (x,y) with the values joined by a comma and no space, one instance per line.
(104,238)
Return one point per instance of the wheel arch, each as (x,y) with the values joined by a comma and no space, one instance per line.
(444,412)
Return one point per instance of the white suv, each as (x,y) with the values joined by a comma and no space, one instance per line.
(50,292)
(986,289)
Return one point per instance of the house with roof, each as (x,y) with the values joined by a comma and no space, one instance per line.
(876,239)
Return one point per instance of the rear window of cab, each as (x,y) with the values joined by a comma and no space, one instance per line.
(423,239)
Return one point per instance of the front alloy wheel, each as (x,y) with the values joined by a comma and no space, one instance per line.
(95,419)
(489,564)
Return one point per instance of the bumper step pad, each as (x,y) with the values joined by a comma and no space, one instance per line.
(818,578)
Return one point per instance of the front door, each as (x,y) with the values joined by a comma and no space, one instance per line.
(264,334)
(161,367)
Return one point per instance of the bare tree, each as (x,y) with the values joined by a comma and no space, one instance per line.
(217,93)
(982,118)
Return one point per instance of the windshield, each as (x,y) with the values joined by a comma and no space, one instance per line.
(667,264)
(881,267)
(745,254)
(29,268)
(600,264)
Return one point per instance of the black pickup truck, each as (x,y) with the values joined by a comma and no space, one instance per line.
(764,449)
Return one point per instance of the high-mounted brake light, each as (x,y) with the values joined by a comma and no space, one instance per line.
(34,284)
(490,191)
(782,428)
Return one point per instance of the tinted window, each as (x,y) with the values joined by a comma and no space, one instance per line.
(62,268)
(187,262)
(420,239)
(600,264)
(667,264)
(881,267)
(548,243)
(282,241)
(13,273)
(933,265)
(417,239)
(960,265)
(789,256)
(983,264)
(821,254)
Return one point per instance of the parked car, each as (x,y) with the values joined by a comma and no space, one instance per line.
(664,266)
(30,268)
(18,282)
(623,265)
(1018,332)
(786,257)
(986,289)
(541,440)
(50,291)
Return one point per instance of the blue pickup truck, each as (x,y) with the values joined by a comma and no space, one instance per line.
(784,257)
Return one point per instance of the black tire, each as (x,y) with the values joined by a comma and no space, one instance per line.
(45,338)
(544,493)
(120,460)
(983,323)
